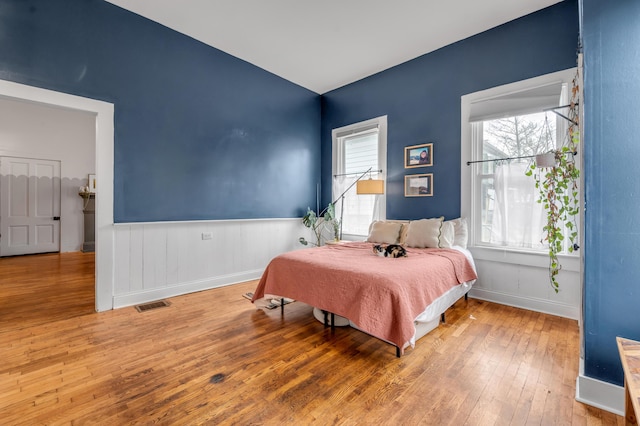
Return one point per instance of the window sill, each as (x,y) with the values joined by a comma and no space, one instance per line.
(354,237)
(569,262)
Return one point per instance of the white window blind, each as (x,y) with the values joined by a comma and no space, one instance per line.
(517,103)
(361,152)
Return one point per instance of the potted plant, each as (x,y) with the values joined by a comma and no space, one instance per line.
(557,183)
(318,223)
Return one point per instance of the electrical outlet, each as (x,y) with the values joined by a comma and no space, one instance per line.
(207,235)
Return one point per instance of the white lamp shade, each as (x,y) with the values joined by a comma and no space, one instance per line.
(370,186)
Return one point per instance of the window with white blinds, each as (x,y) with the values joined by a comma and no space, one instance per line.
(360,152)
(357,148)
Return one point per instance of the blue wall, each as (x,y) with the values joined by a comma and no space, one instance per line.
(199,134)
(611,37)
(422,100)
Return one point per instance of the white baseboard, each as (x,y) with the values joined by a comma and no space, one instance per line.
(532,304)
(144,296)
(599,394)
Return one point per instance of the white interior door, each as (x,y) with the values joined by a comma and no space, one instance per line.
(29,206)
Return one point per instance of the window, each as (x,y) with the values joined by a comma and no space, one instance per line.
(509,122)
(356,148)
(509,212)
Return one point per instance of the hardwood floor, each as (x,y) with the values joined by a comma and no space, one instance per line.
(214,358)
(41,289)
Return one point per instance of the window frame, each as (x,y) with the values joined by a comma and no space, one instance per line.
(470,192)
(336,168)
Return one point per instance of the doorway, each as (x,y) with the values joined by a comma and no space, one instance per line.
(103,130)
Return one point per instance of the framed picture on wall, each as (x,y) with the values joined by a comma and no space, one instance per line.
(418,185)
(418,155)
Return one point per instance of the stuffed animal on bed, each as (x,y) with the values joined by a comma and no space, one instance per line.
(392,250)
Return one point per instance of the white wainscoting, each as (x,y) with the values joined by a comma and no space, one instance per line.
(599,394)
(164,259)
(522,280)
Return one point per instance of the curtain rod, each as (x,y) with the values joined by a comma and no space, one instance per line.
(358,173)
(512,158)
(553,110)
(499,159)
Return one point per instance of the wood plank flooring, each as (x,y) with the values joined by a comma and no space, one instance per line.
(41,289)
(214,358)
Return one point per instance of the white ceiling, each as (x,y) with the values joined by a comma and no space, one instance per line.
(323,45)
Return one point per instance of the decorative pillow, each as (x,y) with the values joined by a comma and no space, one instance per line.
(382,232)
(403,234)
(447,235)
(461,233)
(424,233)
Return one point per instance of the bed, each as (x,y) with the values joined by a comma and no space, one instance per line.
(396,300)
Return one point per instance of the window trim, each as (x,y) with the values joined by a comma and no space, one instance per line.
(469,197)
(363,126)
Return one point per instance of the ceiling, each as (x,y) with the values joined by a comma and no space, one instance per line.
(323,45)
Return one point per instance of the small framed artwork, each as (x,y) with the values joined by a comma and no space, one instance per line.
(418,155)
(418,185)
(92,183)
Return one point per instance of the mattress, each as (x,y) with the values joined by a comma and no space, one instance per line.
(427,320)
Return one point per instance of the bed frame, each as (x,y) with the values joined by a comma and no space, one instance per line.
(280,280)
(429,327)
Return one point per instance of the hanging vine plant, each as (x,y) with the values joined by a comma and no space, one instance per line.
(557,183)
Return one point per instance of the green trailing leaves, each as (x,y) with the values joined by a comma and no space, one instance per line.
(559,194)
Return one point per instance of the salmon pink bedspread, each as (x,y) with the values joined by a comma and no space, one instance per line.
(381,295)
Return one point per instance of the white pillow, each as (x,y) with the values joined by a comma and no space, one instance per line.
(403,234)
(461,233)
(384,232)
(447,235)
(424,233)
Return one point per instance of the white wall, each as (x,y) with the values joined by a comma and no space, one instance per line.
(522,280)
(34,130)
(157,260)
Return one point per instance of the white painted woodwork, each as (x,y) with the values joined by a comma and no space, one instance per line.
(164,259)
(29,201)
(103,131)
(599,394)
(157,260)
(514,277)
(522,280)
